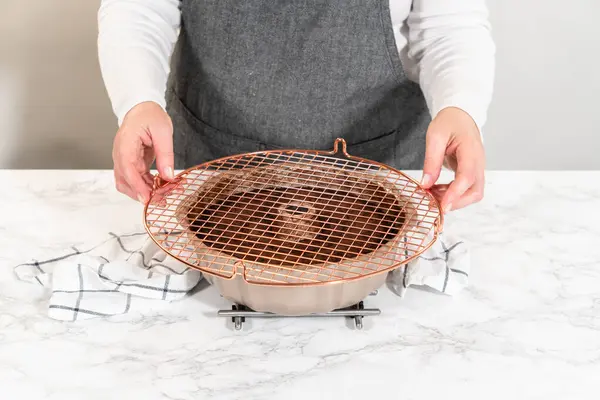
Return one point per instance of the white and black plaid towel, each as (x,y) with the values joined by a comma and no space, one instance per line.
(443,267)
(111,278)
(130,272)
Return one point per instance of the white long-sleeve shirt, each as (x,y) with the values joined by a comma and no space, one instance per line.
(444,45)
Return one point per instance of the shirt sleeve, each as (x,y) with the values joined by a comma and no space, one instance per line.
(135,42)
(450,42)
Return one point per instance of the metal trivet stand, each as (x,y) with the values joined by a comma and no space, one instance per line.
(239,313)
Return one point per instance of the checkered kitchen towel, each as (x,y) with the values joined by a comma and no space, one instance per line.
(120,274)
(130,272)
(443,267)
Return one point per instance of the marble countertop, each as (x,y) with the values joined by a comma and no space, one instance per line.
(527,327)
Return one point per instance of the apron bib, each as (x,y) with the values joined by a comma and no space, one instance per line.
(265,74)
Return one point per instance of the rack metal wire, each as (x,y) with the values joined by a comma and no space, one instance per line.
(292,217)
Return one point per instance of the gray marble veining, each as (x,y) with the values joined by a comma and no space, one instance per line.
(527,327)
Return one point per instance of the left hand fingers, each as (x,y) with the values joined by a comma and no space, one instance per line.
(473,195)
(467,186)
(438,191)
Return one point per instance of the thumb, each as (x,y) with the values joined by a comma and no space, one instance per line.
(162,142)
(435,150)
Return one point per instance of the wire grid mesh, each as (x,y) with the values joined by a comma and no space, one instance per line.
(293,217)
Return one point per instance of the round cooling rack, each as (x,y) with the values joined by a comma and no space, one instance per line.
(293,217)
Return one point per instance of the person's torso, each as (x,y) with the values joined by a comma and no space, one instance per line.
(294,74)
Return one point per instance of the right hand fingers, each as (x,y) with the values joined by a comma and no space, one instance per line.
(123,187)
(130,169)
(134,178)
(146,131)
(162,141)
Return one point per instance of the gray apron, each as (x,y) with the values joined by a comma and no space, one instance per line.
(265,74)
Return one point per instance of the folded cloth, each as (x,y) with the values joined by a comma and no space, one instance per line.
(444,267)
(111,278)
(130,272)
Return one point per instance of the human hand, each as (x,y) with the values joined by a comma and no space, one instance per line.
(146,133)
(453,139)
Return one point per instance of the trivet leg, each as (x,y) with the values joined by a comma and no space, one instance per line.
(358,322)
(358,319)
(237,321)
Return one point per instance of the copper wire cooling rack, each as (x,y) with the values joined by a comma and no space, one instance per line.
(293,217)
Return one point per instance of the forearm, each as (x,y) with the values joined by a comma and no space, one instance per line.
(450,40)
(135,42)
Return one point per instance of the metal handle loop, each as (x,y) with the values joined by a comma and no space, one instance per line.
(336,147)
(157,183)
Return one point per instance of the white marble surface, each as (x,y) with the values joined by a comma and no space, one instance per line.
(528,327)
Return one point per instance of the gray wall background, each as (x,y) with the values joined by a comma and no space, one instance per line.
(54,112)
